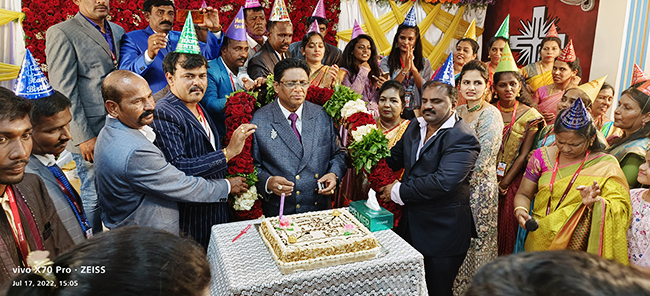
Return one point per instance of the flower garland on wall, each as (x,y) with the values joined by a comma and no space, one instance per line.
(42,14)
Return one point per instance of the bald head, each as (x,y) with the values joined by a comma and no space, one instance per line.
(128,98)
(117,82)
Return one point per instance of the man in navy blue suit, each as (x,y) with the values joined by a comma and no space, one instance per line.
(189,140)
(143,51)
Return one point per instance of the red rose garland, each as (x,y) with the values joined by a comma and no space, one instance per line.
(319,96)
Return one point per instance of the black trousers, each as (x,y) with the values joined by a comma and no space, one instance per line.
(440,273)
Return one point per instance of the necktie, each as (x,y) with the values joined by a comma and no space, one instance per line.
(293,117)
(76,208)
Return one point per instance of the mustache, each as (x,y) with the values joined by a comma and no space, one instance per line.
(429,110)
(243,60)
(166,23)
(101,6)
(286,44)
(193,88)
(17,162)
(61,143)
(145,114)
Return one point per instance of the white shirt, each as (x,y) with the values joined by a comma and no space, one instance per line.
(253,47)
(298,112)
(146,130)
(235,78)
(47,159)
(451,121)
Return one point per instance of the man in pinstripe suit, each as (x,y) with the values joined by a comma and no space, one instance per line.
(190,141)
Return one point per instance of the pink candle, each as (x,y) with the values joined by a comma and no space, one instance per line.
(281,205)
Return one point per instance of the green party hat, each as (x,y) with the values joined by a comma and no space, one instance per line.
(507,62)
(188,43)
(504,30)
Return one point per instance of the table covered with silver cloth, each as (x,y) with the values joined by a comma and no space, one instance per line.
(246,267)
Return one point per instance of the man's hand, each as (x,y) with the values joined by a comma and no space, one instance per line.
(330,182)
(253,84)
(88,149)
(279,185)
(210,19)
(239,139)
(156,42)
(238,185)
(384,192)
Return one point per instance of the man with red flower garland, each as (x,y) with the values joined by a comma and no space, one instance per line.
(190,141)
(296,146)
(80,53)
(143,51)
(437,152)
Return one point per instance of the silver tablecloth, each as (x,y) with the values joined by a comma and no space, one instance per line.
(246,267)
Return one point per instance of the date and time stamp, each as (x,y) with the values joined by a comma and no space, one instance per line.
(54,270)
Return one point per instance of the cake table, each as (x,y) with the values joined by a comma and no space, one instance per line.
(246,267)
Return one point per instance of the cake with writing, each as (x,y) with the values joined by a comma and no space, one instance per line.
(318,239)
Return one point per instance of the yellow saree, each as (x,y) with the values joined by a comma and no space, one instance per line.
(534,78)
(394,134)
(603,228)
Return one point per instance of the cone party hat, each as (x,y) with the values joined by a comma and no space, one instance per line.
(504,30)
(410,19)
(356,30)
(576,117)
(552,32)
(592,88)
(187,42)
(638,75)
(279,12)
(252,4)
(203,5)
(319,11)
(507,61)
(645,88)
(471,31)
(32,83)
(314,28)
(446,72)
(567,55)
(237,29)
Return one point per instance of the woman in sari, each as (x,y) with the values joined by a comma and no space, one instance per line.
(565,68)
(521,123)
(313,48)
(486,120)
(638,234)
(406,64)
(496,46)
(602,103)
(631,116)
(539,73)
(391,106)
(359,64)
(581,198)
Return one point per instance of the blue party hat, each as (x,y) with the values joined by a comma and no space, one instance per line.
(446,72)
(410,20)
(237,29)
(32,83)
(576,117)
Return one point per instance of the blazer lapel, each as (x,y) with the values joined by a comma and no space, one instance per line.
(117,42)
(284,130)
(93,33)
(415,143)
(178,104)
(308,133)
(43,171)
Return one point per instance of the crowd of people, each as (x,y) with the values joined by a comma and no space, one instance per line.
(491,159)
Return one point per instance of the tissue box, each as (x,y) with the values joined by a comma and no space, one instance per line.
(374,220)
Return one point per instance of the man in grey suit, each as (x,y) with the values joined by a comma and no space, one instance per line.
(295,146)
(50,119)
(80,53)
(135,184)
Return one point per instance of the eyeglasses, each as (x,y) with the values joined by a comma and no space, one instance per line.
(293,84)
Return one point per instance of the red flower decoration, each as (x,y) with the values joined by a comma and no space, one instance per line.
(360,119)
(319,96)
(380,176)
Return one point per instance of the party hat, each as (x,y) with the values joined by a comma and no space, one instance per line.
(645,88)
(410,20)
(507,62)
(446,72)
(32,83)
(638,75)
(552,32)
(471,31)
(237,29)
(567,55)
(252,4)
(319,11)
(592,88)
(279,12)
(356,30)
(576,117)
(314,28)
(203,5)
(504,30)
(187,42)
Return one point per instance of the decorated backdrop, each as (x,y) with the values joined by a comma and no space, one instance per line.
(41,14)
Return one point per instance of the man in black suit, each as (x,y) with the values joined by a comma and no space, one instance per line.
(275,49)
(437,152)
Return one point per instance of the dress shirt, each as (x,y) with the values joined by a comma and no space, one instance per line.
(451,121)
(147,59)
(47,159)
(235,78)
(286,114)
(108,35)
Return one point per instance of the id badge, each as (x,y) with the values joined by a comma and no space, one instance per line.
(89,233)
(501,169)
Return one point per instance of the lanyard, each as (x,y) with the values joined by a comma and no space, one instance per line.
(508,128)
(545,137)
(573,179)
(204,122)
(19,235)
(79,213)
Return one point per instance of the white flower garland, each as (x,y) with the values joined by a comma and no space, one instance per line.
(362,131)
(246,200)
(352,107)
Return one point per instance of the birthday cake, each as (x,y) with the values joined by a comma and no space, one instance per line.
(317,239)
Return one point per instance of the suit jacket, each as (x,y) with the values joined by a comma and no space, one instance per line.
(435,188)
(137,186)
(262,64)
(31,192)
(278,152)
(134,47)
(214,100)
(60,201)
(331,57)
(78,59)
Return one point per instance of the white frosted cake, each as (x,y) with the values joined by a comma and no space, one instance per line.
(317,239)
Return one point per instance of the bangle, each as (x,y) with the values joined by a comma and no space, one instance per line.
(217,29)
(520,208)
(405,73)
(225,154)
